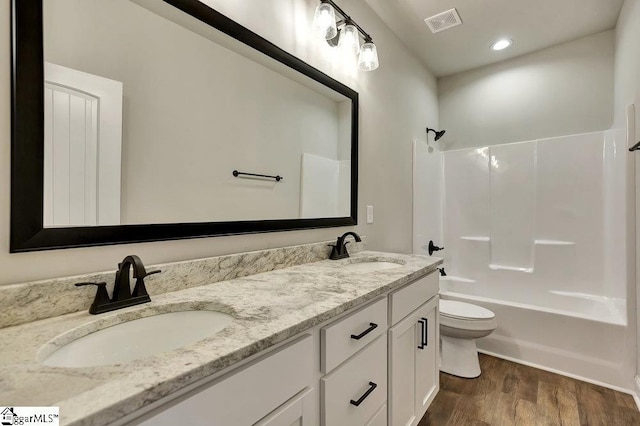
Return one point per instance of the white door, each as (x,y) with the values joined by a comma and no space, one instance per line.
(83,143)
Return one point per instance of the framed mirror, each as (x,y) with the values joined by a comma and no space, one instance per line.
(148,120)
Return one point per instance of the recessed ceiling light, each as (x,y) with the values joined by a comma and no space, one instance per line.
(501,44)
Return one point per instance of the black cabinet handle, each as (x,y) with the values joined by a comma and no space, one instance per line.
(422,328)
(635,147)
(372,386)
(372,326)
(426,331)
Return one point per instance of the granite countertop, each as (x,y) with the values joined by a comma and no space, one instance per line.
(268,308)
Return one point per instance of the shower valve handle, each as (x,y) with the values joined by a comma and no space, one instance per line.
(432,247)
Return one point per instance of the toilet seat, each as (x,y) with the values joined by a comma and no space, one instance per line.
(464,311)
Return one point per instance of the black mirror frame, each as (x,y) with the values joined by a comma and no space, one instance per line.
(27,148)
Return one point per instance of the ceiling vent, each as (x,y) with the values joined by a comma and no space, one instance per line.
(443,21)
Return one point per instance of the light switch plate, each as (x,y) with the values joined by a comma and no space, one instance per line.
(369,214)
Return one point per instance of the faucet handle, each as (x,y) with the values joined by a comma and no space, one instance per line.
(157,271)
(102,297)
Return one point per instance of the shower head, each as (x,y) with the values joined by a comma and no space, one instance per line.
(438,133)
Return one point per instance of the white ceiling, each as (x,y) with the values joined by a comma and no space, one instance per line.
(531,24)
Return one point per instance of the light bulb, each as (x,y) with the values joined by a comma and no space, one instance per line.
(368,58)
(501,44)
(349,39)
(324,21)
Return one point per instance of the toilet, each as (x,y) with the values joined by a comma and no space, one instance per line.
(460,325)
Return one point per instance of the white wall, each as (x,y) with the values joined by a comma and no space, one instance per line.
(396,103)
(561,90)
(427,196)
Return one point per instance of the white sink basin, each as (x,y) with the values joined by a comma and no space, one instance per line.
(138,338)
(370,266)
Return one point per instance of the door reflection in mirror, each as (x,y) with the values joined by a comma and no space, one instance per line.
(82,148)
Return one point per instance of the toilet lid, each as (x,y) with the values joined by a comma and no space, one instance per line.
(455,309)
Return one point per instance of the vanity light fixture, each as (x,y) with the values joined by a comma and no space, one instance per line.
(368,58)
(324,21)
(349,39)
(345,33)
(501,44)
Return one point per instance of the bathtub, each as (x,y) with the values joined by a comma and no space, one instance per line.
(588,339)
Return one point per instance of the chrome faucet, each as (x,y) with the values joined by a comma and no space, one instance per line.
(122,296)
(339,250)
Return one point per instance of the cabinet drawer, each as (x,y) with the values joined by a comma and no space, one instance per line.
(347,336)
(362,379)
(410,297)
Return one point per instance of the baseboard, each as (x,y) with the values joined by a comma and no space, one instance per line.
(573,376)
(571,363)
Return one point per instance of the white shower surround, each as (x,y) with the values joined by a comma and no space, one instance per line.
(536,232)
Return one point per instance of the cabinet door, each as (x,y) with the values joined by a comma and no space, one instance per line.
(413,368)
(294,412)
(246,395)
(427,365)
(403,341)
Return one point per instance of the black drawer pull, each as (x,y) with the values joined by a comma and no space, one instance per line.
(372,386)
(422,328)
(426,331)
(372,326)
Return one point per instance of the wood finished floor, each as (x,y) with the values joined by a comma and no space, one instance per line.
(513,394)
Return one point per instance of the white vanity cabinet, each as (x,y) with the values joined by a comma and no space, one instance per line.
(413,352)
(376,365)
